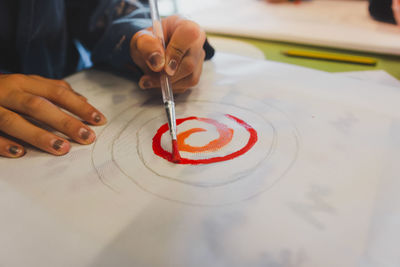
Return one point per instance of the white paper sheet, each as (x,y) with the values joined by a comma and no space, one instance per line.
(317,189)
(331,23)
(229,45)
(378,76)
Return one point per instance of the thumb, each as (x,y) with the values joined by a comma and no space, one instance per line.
(146,47)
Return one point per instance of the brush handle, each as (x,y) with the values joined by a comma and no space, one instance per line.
(166,87)
(165,83)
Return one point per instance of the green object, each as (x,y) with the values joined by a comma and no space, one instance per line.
(331,57)
(273,51)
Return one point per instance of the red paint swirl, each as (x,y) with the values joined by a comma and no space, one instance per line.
(225,136)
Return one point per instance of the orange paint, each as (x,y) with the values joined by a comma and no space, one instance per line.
(225,137)
(176,157)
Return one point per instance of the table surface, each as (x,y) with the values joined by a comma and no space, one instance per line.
(273,51)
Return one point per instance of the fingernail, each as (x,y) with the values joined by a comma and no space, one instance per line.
(172,65)
(146,84)
(85,133)
(15,150)
(96,117)
(58,144)
(156,60)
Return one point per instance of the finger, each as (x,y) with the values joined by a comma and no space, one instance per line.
(46,112)
(64,98)
(189,64)
(187,35)
(10,149)
(145,47)
(57,83)
(14,125)
(179,86)
(187,67)
(190,67)
(138,59)
(189,81)
(149,81)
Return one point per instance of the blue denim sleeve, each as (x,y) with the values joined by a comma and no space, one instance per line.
(113,47)
(105,28)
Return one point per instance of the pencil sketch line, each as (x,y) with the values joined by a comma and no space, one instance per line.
(273,148)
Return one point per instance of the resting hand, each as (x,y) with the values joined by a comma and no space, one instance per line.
(38,98)
(182,59)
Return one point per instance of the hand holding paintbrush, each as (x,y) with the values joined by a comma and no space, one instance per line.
(182,59)
(177,64)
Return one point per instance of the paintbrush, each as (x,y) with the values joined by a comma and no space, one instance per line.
(166,87)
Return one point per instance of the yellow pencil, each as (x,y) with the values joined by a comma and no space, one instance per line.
(331,57)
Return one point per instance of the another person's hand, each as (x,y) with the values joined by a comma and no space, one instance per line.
(182,60)
(29,100)
(396,10)
(276,1)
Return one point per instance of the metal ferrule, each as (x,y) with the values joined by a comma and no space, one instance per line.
(170,110)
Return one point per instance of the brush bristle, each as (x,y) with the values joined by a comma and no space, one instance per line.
(176,157)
